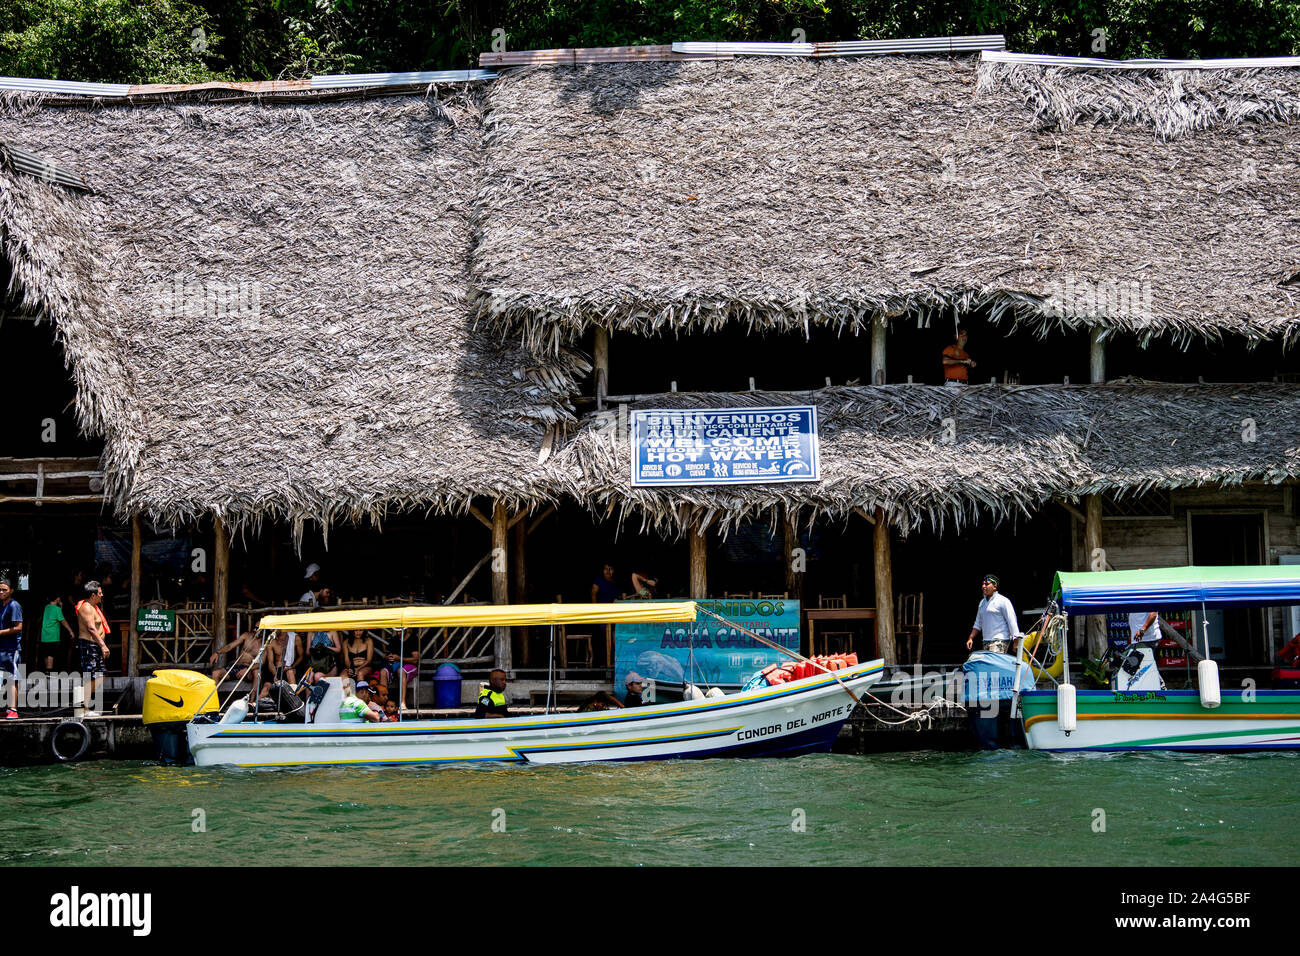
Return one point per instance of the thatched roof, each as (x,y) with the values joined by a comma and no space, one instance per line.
(263,305)
(659,197)
(1011,448)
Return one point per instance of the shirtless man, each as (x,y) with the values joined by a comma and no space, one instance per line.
(248,645)
(91,646)
(276,651)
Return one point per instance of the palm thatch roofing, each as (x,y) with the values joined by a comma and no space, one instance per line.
(933,454)
(264,305)
(274,307)
(671,197)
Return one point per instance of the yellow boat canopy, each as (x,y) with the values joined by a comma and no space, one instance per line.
(480,615)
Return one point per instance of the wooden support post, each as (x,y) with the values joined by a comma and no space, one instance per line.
(133,646)
(884,590)
(601,351)
(500,581)
(1092,554)
(1096,357)
(699,562)
(520,533)
(877,353)
(795,565)
(220,581)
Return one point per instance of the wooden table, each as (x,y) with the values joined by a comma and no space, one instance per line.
(815,614)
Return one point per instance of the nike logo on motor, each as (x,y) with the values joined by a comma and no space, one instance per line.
(174,703)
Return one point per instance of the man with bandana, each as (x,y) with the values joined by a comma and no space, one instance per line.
(995,621)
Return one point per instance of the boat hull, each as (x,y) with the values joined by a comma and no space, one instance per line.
(790,719)
(1165,720)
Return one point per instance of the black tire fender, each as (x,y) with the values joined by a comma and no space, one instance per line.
(78,751)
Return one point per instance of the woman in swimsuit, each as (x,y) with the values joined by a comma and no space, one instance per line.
(358,656)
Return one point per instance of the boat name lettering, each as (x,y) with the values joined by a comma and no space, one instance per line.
(828,715)
(751,733)
(1137,697)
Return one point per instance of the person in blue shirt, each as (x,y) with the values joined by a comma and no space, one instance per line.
(603,589)
(11,644)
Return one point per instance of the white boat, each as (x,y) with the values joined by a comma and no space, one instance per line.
(798,717)
(1138,712)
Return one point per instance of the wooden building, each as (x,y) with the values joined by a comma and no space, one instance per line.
(322,314)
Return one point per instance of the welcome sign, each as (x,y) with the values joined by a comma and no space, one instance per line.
(724,446)
(708,651)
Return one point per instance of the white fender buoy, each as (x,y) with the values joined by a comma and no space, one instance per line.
(237,712)
(715,692)
(1067,717)
(1207,678)
(691,692)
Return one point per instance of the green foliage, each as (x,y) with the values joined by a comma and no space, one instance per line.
(154,40)
(119,41)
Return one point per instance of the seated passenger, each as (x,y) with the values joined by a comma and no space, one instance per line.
(363,692)
(600,701)
(390,712)
(492,698)
(353,708)
(322,653)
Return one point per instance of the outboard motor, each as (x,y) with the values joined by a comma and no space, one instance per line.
(990,686)
(172,698)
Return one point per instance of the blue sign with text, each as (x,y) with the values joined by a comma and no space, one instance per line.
(724,446)
(708,652)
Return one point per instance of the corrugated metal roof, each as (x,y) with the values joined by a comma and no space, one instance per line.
(367,80)
(331,82)
(46,170)
(66,87)
(958,44)
(1090,63)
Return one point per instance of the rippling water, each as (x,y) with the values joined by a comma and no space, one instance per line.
(995,808)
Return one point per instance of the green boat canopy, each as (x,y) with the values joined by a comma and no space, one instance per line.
(1152,589)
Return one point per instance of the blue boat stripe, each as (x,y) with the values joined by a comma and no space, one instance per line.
(459,727)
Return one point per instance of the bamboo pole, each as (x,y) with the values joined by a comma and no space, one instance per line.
(1096,627)
(1096,357)
(133,645)
(884,589)
(877,353)
(520,532)
(500,580)
(601,356)
(699,562)
(220,580)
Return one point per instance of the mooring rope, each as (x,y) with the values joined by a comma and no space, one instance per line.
(779,647)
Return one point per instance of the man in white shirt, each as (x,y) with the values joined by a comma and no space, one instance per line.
(995,620)
(1144,626)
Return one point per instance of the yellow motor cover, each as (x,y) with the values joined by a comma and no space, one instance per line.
(174,696)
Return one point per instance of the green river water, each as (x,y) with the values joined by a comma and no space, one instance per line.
(924,808)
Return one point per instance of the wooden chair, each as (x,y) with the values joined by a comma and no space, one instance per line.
(909,623)
(581,642)
(738,595)
(775,596)
(834,642)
